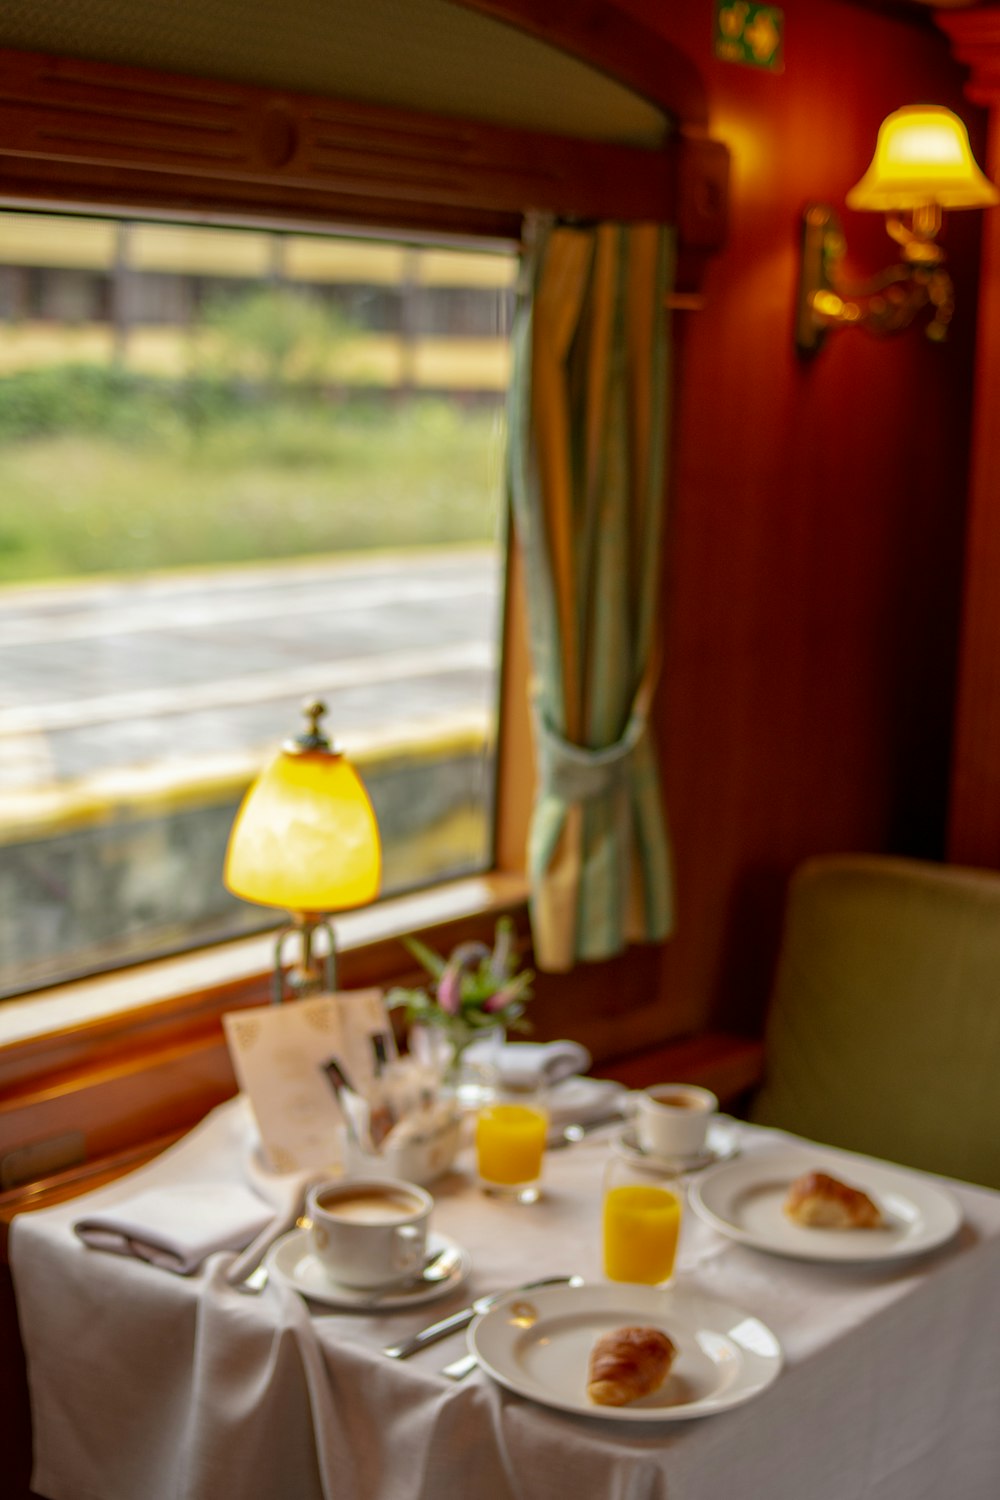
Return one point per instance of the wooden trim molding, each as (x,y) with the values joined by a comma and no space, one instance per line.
(93,132)
(975,41)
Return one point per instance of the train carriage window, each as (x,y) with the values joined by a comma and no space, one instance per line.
(238,468)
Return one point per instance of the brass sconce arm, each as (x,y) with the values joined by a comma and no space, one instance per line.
(887,302)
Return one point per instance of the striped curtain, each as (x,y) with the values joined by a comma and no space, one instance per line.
(586,452)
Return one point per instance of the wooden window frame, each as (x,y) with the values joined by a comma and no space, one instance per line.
(90,135)
(93,134)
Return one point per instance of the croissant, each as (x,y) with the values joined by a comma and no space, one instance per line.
(819,1201)
(627,1363)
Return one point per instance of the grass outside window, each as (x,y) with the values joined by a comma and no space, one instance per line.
(274,481)
(185,437)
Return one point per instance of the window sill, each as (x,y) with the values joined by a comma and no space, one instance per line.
(100,1070)
(247,964)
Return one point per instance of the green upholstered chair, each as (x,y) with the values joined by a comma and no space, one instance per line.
(883,1034)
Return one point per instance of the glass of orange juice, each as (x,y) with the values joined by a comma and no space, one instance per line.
(641,1225)
(510,1143)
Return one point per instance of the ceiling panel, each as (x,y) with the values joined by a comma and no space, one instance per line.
(422,54)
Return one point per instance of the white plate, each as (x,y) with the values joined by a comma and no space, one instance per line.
(725,1355)
(721,1145)
(743,1199)
(292,1260)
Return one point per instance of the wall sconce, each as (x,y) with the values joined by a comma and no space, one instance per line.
(923,164)
(305,840)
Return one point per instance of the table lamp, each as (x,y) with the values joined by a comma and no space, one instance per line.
(305,840)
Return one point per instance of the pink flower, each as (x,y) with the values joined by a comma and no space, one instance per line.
(449,990)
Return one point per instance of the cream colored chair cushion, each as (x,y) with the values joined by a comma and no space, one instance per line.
(883,1034)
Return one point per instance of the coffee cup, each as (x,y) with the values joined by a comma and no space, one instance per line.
(672,1119)
(369,1231)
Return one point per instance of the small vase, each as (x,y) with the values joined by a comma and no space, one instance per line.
(446,1049)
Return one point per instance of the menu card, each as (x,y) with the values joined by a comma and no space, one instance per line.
(292,1061)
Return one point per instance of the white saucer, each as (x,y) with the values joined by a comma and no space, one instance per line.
(291,1259)
(721,1145)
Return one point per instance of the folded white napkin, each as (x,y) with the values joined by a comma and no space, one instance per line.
(579,1101)
(178,1227)
(527,1065)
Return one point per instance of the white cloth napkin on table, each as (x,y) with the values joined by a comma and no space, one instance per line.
(583,1101)
(178,1227)
(527,1065)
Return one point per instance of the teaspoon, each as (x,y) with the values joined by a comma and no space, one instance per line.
(437,1267)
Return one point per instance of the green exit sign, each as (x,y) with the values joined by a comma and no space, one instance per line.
(750,34)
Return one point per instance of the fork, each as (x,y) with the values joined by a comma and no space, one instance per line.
(459,1368)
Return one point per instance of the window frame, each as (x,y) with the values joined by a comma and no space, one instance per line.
(70,143)
(67,999)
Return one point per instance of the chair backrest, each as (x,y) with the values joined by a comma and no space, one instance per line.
(883,1034)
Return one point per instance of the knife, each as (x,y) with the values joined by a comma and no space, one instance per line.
(462,1319)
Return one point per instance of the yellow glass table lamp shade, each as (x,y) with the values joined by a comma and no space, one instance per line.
(922,156)
(305,838)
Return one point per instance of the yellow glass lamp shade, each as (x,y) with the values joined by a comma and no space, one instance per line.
(922,157)
(305,838)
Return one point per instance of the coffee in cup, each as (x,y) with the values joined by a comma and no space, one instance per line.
(369,1232)
(672,1119)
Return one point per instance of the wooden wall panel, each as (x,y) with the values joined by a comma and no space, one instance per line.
(813,583)
(974,830)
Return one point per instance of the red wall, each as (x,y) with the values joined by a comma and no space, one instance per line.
(812,598)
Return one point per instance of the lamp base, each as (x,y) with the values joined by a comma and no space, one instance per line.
(313,974)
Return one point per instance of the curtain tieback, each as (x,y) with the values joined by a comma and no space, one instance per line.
(577,774)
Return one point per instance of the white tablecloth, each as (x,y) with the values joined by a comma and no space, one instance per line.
(146,1385)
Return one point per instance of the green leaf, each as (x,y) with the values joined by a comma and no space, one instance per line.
(432,962)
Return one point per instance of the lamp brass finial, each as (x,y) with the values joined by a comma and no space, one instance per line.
(314,711)
(312,737)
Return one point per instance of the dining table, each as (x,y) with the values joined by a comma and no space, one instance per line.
(882,1367)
